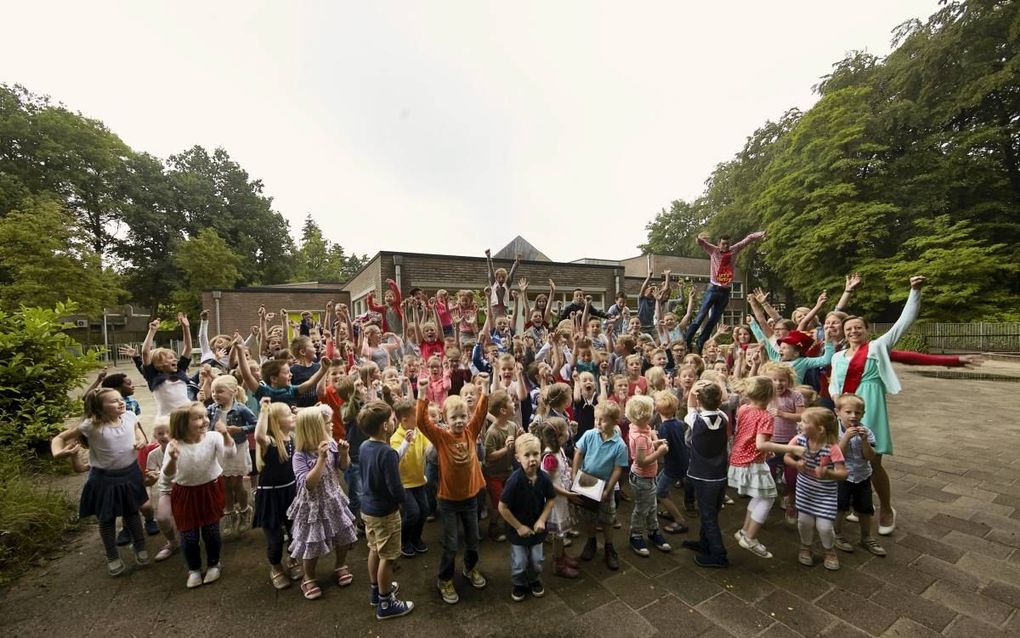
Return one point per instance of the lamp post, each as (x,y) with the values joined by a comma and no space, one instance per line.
(216,294)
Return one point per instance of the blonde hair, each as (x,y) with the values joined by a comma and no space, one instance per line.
(526,442)
(158,354)
(656,378)
(231,383)
(310,430)
(639,409)
(826,419)
(452,402)
(276,413)
(774,367)
(609,410)
(849,397)
(758,389)
(809,394)
(666,402)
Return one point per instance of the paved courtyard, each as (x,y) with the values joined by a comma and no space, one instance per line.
(953,567)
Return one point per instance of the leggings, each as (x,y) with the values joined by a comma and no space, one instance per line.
(165,518)
(759,508)
(108,533)
(274,542)
(210,534)
(806,525)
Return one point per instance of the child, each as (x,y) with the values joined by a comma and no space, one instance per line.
(228,400)
(584,403)
(786,408)
(525,504)
(499,450)
(165,373)
(675,462)
(277,372)
(706,440)
(115,486)
(500,290)
(413,447)
(646,448)
(820,466)
(460,481)
(553,433)
(304,368)
(382,496)
(857,443)
(601,453)
(748,473)
(193,464)
(159,490)
(275,492)
(321,520)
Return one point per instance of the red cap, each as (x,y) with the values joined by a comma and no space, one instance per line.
(798,339)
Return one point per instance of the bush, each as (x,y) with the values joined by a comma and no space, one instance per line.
(32,518)
(39,366)
(914,341)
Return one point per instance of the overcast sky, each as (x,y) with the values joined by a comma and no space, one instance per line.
(449,126)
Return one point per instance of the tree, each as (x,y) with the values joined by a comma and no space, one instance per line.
(206,262)
(44,261)
(319,259)
(674,232)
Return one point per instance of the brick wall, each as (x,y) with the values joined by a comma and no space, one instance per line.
(238,307)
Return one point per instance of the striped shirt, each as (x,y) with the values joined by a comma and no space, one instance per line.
(813,495)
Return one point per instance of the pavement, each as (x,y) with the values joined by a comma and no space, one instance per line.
(953,567)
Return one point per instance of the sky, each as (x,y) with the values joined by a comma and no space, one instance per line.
(449,127)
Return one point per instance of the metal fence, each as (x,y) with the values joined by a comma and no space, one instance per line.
(972,337)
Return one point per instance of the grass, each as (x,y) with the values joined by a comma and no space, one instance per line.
(33,518)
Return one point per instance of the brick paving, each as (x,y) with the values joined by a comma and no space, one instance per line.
(953,567)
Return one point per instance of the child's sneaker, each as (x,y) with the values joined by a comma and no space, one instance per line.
(228,523)
(638,544)
(852,517)
(194,579)
(870,543)
(612,558)
(420,547)
(448,592)
(373,593)
(151,528)
(244,518)
(537,590)
(211,575)
(518,593)
(805,557)
(392,607)
(590,547)
(842,544)
(475,578)
(659,541)
(115,567)
(831,561)
(754,546)
(142,557)
(407,550)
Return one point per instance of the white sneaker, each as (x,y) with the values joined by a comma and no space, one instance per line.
(211,575)
(852,517)
(194,579)
(754,546)
(165,553)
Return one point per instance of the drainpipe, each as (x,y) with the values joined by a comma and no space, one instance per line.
(216,294)
(398,261)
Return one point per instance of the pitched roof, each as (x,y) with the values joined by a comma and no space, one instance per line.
(520,246)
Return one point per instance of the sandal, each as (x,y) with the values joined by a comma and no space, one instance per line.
(294,569)
(343,575)
(804,557)
(279,579)
(310,589)
(675,528)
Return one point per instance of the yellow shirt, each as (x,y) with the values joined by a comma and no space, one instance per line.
(412,466)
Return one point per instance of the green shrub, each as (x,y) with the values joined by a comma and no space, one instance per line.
(32,518)
(39,366)
(914,341)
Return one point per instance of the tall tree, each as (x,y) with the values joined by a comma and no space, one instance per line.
(674,232)
(319,259)
(206,262)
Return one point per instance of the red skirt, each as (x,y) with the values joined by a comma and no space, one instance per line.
(197,506)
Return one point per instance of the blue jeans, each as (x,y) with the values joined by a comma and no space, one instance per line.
(353,477)
(710,499)
(712,306)
(664,485)
(453,515)
(526,564)
(416,508)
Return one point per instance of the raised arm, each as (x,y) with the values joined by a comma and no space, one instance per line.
(852,281)
(549,302)
(203,336)
(743,243)
(320,374)
(513,268)
(907,316)
(249,380)
(805,322)
(683,323)
(489,269)
(147,344)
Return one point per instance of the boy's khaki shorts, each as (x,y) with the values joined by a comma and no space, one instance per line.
(382,534)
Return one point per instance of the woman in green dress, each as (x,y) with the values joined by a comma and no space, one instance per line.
(864,369)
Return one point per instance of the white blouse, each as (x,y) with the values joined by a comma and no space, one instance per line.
(111,446)
(199,463)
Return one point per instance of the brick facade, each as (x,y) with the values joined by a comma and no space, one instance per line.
(238,307)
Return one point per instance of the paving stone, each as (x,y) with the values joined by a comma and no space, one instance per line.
(967,627)
(1009,594)
(842,630)
(1002,537)
(934,493)
(948,572)
(967,602)
(734,615)
(853,580)
(917,608)
(806,586)
(672,617)
(585,594)
(623,620)
(931,546)
(857,611)
(996,522)
(899,574)
(906,628)
(987,568)
(688,585)
(970,543)
(969,490)
(961,525)
(634,588)
(797,614)
(779,630)
(991,477)
(748,586)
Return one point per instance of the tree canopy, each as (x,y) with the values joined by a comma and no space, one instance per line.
(907,164)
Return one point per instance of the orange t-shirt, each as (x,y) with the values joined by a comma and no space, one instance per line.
(332,399)
(460,473)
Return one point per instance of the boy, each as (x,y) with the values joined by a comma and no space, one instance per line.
(460,481)
(707,470)
(646,449)
(499,292)
(304,368)
(857,443)
(674,464)
(603,454)
(525,504)
(413,448)
(277,371)
(381,498)
(499,450)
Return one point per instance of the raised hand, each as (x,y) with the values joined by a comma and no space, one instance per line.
(523,284)
(173,450)
(154,325)
(852,281)
(204,314)
(183,319)
(917,281)
(323,449)
(127,351)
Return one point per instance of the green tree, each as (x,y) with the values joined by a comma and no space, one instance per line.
(44,261)
(206,262)
(674,232)
(319,259)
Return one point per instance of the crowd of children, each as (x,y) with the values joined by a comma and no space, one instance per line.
(540,423)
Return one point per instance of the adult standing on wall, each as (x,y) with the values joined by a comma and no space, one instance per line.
(720,281)
(864,368)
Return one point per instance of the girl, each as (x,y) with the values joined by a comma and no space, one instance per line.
(375,350)
(114,486)
(439,381)
(276,488)
(785,408)
(636,384)
(192,462)
(159,495)
(228,399)
(686,375)
(821,467)
(443,312)
(321,519)
(748,472)
(553,433)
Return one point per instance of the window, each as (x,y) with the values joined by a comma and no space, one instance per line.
(732,317)
(737,290)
